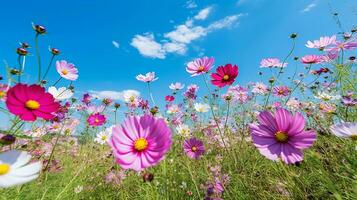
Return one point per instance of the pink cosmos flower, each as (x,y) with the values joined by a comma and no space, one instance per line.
(281,91)
(260,88)
(346,45)
(200,66)
(169,98)
(225,75)
(96,119)
(239,93)
(67,70)
(193,148)
(140,142)
(176,86)
(148,77)
(322,43)
(310,59)
(281,135)
(272,62)
(31,101)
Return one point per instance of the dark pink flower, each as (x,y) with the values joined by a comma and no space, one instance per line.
(193,148)
(169,98)
(96,119)
(281,91)
(31,101)
(281,135)
(225,75)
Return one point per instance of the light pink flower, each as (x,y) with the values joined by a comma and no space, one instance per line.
(322,43)
(148,77)
(272,62)
(67,70)
(260,88)
(310,59)
(200,66)
(176,86)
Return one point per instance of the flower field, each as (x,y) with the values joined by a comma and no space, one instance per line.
(287,136)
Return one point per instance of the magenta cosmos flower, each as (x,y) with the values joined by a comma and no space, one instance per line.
(310,59)
(140,142)
(225,75)
(67,70)
(96,119)
(281,135)
(31,101)
(200,66)
(193,148)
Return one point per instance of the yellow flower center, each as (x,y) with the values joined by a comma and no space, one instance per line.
(64,72)
(225,77)
(281,136)
(32,104)
(281,92)
(96,120)
(141,144)
(354,136)
(201,68)
(194,149)
(104,138)
(4,169)
(2,94)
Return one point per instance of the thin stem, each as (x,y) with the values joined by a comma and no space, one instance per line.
(19,61)
(48,67)
(152,98)
(57,81)
(38,57)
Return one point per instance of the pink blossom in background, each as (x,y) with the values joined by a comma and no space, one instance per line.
(96,119)
(148,77)
(193,148)
(322,43)
(272,62)
(310,59)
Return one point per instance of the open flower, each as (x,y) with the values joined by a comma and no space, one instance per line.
(193,148)
(96,119)
(281,135)
(225,75)
(183,130)
(311,59)
(15,170)
(322,43)
(201,107)
(67,70)
(272,62)
(104,136)
(140,142)
(176,86)
(148,77)
(345,130)
(200,66)
(31,101)
(281,91)
(61,93)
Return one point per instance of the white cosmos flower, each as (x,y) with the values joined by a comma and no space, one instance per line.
(327,96)
(130,96)
(61,93)
(201,107)
(345,130)
(176,86)
(15,170)
(183,130)
(173,109)
(103,136)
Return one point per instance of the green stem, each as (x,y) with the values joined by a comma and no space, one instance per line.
(38,57)
(48,67)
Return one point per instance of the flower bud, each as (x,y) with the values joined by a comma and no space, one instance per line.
(148,177)
(293,35)
(24,45)
(55,51)
(14,72)
(21,51)
(271,80)
(7,139)
(154,110)
(352,58)
(39,29)
(116,105)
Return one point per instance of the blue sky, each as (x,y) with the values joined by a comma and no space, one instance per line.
(162,36)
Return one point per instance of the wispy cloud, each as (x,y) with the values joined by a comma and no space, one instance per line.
(191,4)
(177,40)
(309,7)
(240,2)
(115,44)
(114,95)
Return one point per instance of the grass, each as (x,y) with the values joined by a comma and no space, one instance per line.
(327,172)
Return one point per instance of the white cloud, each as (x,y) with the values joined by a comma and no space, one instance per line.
(191,4)
(115,44)
(147,46)
(309,7)
(177,40)
(203,14)
(240,2)
(114,95)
